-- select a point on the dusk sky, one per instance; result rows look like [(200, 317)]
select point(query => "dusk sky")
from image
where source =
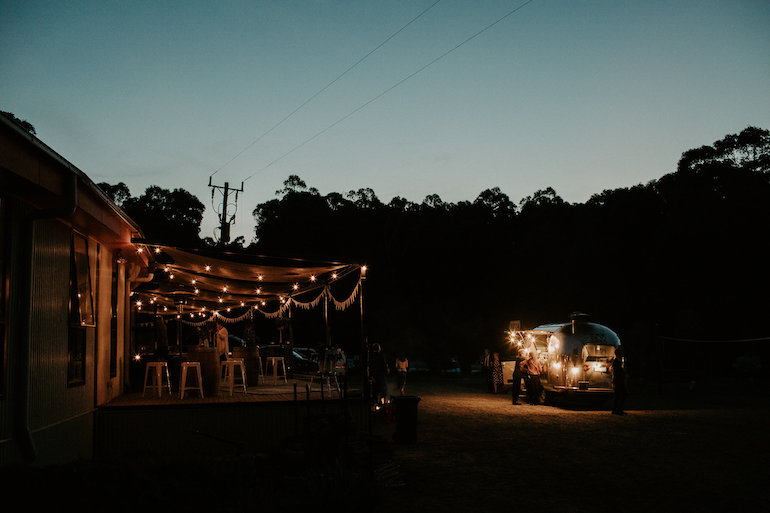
[(581, 96)]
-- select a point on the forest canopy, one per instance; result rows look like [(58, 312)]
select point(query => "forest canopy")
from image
[(684, 254)]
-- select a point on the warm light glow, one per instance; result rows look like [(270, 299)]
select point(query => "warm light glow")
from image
[(196, 291), (208, 267), (228, 308), (165, 309), (193, 282), (139, 250), (241, 303), (224, 289), (259, 291), (137, 357), (574, 370), (334, 276), (138, 303), (259, 277), (157, 250), (557, 365), (364, 269), (263, 303), (171, 276), (295, 286), (220, 299), (312, 277), (192, 315), (256, 307)]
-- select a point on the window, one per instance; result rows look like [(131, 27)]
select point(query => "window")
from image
[(81, 310), (114, 316)]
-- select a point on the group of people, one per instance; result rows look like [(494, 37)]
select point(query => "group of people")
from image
[(528, 369)]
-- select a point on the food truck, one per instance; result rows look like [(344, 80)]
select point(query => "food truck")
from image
[(576, 356)]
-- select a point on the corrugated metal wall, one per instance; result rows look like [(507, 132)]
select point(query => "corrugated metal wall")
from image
[(8, 448), (54, 405)]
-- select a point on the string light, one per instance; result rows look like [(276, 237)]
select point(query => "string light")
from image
[(259, 277), (220, 299), (171, 276), (193, 282), (196, 291), (334, 276), (259, 291), (139, 250), (312, 277), (208, 268), (138, 303), (295, 286), (241, 303), (224, 289), (157, 250), (165, 309)]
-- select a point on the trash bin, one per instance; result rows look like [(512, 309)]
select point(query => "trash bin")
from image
[(405, 411)]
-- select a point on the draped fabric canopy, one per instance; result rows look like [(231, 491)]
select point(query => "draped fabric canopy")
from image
[(193, 281)]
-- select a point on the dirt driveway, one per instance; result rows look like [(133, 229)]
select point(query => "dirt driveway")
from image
[(675, 452)]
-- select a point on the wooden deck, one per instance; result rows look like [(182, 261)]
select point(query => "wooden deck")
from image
[(270, 391), (260, 419)]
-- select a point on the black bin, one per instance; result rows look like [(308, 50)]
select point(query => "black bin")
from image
[(405, 412)]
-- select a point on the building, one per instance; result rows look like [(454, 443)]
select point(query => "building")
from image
[(66, 270)]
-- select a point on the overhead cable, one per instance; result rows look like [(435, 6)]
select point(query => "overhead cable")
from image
[(324, 88), (386, 91)]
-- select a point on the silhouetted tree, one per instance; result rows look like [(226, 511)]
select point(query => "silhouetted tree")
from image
[(118, 193), (23, 123), (166, 216)]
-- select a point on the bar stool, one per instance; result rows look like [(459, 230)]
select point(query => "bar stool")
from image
[(228, 371), (274, 361), (183, 381), (156, 377)]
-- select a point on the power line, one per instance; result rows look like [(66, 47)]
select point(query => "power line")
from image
[(386, 91), (324, 88)]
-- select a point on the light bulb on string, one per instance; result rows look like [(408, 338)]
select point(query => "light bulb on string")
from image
[(260, 277), (208, 268), (312, 277)]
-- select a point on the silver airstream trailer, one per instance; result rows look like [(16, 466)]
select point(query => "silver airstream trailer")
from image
[(576, 356)]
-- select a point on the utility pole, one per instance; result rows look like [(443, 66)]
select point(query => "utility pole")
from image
[(224, 222)]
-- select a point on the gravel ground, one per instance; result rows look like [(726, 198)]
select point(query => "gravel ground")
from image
[(475, 452), (478, 452)]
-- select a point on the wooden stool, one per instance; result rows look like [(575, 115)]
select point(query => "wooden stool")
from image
[(183, 381), (275, 360), (156, 377), (228, 371)]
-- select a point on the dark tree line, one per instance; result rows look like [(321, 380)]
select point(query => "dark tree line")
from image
[(684, 255)]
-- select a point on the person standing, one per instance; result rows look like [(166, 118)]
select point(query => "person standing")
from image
[(517, 376), (533, 369), (402, 366), (618, 383), (380, 370), (486, 369), (223, 342), (497, 374)]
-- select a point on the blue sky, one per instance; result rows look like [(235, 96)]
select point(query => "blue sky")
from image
[(578, 95)]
